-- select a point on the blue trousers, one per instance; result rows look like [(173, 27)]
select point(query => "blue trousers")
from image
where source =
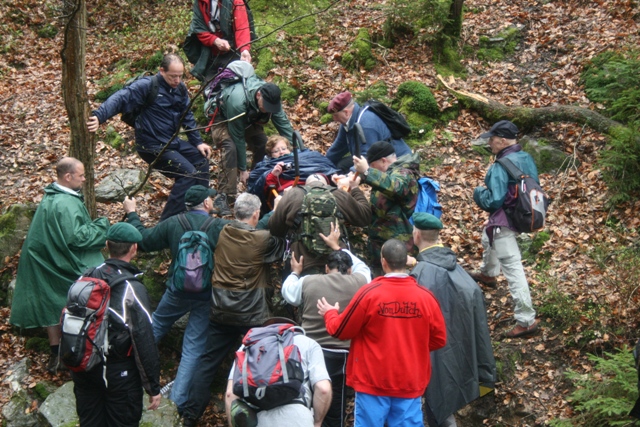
[(183, 163), (221, 339), (170, 309), (373, 411)]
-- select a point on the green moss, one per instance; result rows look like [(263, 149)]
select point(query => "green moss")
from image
[(418, 98), (44, 389), (496, 48), (113, 138), (265, 63), (326, 118), (41, 345), (378, 90), (360, 54), (317, 63), (150, 63), (289, 93), (47, 31)]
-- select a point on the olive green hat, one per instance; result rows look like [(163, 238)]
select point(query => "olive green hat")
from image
[(123, 232)]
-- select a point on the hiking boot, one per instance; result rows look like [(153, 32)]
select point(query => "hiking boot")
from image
[(55, 365), (188, 422), (522, 331), (220, 204), (480, 277), (242, 415)]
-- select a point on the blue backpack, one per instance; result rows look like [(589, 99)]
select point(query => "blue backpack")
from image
[(428, 198), (193, 264)]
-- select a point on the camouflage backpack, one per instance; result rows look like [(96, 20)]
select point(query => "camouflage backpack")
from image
[(319, 210)]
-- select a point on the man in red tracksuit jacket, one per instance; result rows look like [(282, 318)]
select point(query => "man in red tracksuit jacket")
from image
[(393, 324)]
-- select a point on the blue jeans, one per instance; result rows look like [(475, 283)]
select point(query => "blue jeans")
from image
[(373, 411), (171, 308), (221, 339)]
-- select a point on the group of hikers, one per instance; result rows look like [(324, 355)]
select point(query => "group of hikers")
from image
[(401, 323)]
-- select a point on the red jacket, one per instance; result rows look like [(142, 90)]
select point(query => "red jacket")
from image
[(393, 324), (240, 25)]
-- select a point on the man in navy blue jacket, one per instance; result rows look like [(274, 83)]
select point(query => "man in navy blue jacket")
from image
[(185, 161), (347, 112)]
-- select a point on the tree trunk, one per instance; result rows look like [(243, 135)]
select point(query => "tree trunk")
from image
[(527, 118), (453, 27), (74, 82)]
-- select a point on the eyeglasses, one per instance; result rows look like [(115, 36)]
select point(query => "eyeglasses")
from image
[(279, 150), (175, 76)]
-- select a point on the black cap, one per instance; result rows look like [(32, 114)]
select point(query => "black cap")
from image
[(196, 195), (379, 150), (271, 98), (503, 129)]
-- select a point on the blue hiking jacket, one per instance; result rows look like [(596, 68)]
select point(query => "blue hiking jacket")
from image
[(374, 130), (159, 121)]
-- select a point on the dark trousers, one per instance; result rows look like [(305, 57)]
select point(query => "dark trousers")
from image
[(119, 405), (336, 362), (183, 163), (221, 339)]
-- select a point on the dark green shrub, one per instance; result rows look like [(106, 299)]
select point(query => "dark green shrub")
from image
[(151, 63), (605, 395), (620, 164), (424, 19), (612, 79)]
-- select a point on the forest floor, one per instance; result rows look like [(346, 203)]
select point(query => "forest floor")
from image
[(557, 38)]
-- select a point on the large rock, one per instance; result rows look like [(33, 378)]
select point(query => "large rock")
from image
[(17, 412), (14, 224), (59, 409), (118, 184)]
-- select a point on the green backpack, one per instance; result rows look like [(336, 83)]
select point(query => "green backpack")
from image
[(319, 210)]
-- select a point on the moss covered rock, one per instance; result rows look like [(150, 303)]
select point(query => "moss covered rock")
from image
[(14, 224), (360, 54)]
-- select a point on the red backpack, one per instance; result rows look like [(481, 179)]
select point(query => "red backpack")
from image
[(268, 370)]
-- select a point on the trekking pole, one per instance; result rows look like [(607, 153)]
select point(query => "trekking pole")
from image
[(297, 142), (214, 124), (359, 141)]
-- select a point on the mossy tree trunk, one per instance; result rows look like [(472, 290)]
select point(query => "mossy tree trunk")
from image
[(527, 118), (74, 79), (453, 27)]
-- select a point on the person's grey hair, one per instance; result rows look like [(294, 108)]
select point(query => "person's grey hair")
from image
[(168, 59), (246, 204), (392, 157), (199, 207), (67, 165)]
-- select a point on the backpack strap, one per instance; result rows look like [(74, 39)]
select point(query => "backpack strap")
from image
[(207, 223), (153, 93), (511, 168), (184, 222), (362, 110)]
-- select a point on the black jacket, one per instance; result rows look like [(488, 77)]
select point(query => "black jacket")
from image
[(130, 305)]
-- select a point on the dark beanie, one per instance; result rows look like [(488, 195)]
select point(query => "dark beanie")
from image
[(379, 150)]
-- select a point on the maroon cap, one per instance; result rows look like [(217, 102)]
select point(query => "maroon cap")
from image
[(339, 102)]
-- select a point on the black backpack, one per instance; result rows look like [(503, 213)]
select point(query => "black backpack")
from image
[(395, 121), (532, 202)]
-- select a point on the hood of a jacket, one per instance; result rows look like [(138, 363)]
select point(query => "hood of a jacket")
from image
[(440, 256)]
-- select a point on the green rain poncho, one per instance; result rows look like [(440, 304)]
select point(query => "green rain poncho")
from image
[(61, 244)]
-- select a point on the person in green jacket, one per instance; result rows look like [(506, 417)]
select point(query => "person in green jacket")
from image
[(242, 113), (394, 194), (62, 242)]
